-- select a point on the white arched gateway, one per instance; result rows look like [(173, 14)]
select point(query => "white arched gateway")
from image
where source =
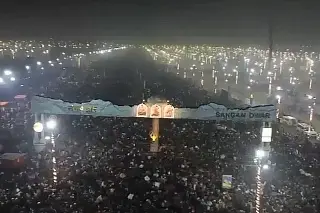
[(157, 109), (154, 108)]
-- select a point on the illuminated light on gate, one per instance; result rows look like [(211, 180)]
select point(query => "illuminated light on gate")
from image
[(38, 127), (153, 137)]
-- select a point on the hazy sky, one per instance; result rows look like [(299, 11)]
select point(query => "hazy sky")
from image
[(296, 21)]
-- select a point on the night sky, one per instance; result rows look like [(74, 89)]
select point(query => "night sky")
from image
[(295, 22)]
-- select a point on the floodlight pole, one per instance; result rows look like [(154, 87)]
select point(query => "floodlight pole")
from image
[(259, 187), (39, 141), (54, 160), (265, 147), (51, 126)]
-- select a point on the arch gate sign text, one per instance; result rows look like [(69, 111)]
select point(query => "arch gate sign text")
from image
[(154, 109)]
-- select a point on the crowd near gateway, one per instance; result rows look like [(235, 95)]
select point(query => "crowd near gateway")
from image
[(105, 163), (156, 108)]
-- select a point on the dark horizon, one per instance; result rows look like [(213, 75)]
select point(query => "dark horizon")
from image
[(245, 22)]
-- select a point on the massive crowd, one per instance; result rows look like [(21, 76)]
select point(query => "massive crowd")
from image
[(104, 164)]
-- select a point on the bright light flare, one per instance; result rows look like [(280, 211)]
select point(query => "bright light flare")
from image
[(260, 153), (7, 72), (51, 124), (265, 167), (38, 127), (310, 97)]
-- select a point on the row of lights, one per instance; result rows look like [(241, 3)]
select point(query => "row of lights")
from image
[(260, 155)]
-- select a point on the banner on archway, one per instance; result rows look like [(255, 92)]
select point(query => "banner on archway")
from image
[(210, 111)]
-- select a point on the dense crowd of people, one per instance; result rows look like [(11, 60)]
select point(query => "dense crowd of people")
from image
[(105, 165)]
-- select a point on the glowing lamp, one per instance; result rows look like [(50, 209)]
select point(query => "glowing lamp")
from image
[(38, 127)]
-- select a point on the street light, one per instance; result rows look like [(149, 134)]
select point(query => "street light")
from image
[(39, 63), (38, 127), (310, 97), (310, 118), (12, 78), (260, 154), (310, 82), (279, 102), (278, 98), (265, 167), (7, 72), (237, 75), (1, 80), (51, 124)]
